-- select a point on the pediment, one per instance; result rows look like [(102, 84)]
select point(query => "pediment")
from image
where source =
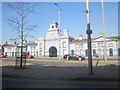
[(101, 39)]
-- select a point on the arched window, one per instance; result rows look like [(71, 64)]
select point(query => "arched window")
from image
[(119, 52), (94, 52), (31, 48), (81, 52), (34, 53), (12, 54), (64, 44), (98, 44), (40, 45), (86, 52), (99, 52), (76, 45), (40, 52), (102, 44), (5, 53), (37, 53), (76, 51), (64, 51), (111, 52), (52, 26), (94, 45), (15, 54), (110, 45), (34, 48), (81, 45)]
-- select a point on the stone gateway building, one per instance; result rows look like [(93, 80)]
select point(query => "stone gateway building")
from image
[(53, 43)]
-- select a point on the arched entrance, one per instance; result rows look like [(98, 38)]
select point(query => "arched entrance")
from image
[(119, 52), (94, 52), (72, 51), (52, 52), (111, 52), (86, 52)]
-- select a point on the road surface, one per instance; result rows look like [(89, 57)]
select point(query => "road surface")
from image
[(11, 83)]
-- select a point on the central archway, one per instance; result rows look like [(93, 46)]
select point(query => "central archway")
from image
[(52, 52)]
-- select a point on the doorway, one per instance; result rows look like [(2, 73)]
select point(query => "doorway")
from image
[(52, 52)]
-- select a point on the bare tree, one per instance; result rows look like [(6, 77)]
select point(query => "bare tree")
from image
[(19, 22)]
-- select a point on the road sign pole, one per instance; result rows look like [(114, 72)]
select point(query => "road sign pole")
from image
[(89, 32)]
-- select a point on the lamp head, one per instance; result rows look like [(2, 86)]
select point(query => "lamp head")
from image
[(55, 3)]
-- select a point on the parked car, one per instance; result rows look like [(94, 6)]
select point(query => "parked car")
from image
[(3, 56), (73, 57), (27, 56)]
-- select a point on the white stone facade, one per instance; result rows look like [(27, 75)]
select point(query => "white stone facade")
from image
[(80, 46), (53, 43), (53, 40)]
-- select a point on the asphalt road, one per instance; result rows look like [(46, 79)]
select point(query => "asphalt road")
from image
[(10, 83)]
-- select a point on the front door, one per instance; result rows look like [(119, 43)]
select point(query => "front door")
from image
[(52, 52), (94, 52)]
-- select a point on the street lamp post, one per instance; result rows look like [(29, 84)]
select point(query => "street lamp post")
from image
[(59, 14), (89, 32), (104, 28)]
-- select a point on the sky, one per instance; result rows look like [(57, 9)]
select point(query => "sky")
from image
[(73, 18)]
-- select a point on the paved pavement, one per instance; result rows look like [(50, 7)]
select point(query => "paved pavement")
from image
[(54, 73), (38, 69)]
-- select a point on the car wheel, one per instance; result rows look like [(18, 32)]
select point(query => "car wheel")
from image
[(84, 58), (67, 58), (80, 59), (28, 57)]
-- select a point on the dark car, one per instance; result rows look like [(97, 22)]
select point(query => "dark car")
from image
[(73, 57)]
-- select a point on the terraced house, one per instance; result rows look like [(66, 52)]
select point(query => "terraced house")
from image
[(53, 44)]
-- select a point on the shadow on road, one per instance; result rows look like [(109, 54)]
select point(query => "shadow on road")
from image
[(51, 72)]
